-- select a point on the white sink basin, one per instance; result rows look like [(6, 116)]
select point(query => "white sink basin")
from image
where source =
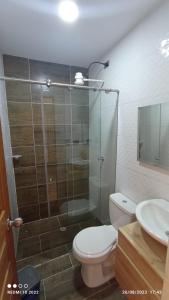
[(153, 216)]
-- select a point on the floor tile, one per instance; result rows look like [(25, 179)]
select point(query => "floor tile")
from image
[(90, 223), (28, 247), (58, 237), (38, 227), (68, 285), (54, 266), (73, 260), (43, 257), (109, 293), (42, 292), (69, 219)]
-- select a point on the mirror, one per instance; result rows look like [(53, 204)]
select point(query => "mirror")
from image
[(153, 134)]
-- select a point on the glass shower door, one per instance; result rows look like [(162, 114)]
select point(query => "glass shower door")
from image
[(108, 146), (103, 112), (78, 203), (95, 160)]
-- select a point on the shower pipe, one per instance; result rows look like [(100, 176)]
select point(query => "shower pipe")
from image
[(49, 83)]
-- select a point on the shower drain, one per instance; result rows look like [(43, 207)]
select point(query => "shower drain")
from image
[(63, 228)]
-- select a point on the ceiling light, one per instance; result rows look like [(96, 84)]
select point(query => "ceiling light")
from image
[(68, 11)]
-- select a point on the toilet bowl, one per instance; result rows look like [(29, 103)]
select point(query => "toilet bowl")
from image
[(95, 247), (92, 247)]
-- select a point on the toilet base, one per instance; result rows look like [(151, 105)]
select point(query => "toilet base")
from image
[(95, 275)]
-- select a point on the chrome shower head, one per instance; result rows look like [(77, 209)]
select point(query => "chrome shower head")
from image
[(79, 79)]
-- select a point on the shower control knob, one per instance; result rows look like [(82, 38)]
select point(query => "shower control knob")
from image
[(15, 223)]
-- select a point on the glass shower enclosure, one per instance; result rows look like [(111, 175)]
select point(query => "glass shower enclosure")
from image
[(64, 148)]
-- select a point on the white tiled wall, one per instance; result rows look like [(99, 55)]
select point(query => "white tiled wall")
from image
[(141, 73)]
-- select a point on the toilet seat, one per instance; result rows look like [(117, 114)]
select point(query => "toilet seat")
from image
[(95, 242)]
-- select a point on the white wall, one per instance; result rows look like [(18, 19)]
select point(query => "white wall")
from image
[(8, 152), (141, 73)]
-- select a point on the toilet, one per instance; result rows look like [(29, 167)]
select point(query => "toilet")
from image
[(95, 247)]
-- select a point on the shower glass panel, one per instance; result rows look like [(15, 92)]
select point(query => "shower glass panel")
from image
[(65, 135), (95, 151), (103, 113), (57, 136), (109, 118), (66, 139)]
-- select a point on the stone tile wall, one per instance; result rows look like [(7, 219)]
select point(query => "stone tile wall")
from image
[(49, 129)]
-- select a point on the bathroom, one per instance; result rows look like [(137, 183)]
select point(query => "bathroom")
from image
[(84, 158)]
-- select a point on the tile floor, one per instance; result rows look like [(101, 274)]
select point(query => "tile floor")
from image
[(47, 245)]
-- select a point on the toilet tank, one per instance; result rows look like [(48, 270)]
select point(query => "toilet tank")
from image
[(121, 210)]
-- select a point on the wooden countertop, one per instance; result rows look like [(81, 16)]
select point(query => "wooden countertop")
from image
[(150, 251)]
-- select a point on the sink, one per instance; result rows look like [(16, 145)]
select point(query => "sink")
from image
[(153, 216)]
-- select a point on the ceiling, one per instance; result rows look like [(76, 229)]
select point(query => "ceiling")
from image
[(31, 28)]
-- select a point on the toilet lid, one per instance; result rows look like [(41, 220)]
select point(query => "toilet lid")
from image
[(95, 240)]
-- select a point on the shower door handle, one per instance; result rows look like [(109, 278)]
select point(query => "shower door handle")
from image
[(18, 222)]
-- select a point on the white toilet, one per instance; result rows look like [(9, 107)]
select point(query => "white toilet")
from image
[(95, 247)]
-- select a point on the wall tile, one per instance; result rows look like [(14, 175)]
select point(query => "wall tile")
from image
[(54, 95), (43, 70), (80, 152), (25, 176), (42, 191), (27, 196), (52, 191), (70, 192), (18, 91), (57, 114), (37, 114), (36, 93), (21, 136), (16, 66), (29, 213), (43, 208), (80, 97), (58, 154), (19, 113), (56, 173), (80, 114), (80, 133), (39, 152), (27, 159), (58, 134), (81, 186), (80, 171), (58, 207), (62, 190), (38, 134), (26, 104), (41, 176)]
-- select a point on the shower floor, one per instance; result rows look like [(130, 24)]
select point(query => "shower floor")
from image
[(47, 245)]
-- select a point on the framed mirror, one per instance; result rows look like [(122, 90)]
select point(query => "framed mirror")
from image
[(153, 135)]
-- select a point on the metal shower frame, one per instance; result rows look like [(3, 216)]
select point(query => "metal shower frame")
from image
[(49, 83)]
